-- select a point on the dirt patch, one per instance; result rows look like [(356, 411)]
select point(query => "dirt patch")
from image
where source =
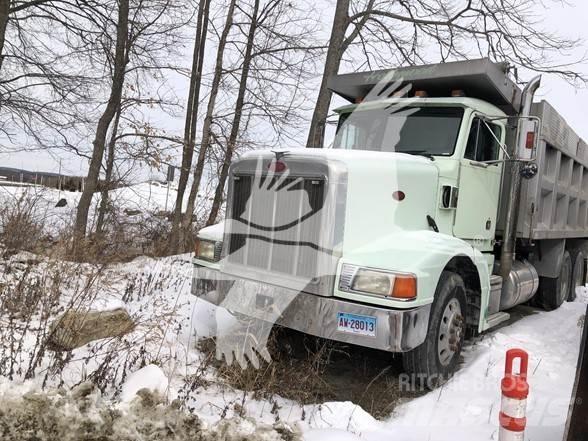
[(311, 370), (83, 415)]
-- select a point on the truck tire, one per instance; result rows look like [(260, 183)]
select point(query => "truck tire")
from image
[(554, 291), (578, 274), (434, 362)]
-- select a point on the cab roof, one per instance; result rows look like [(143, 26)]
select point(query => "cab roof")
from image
[(472, 103), (482, 78)]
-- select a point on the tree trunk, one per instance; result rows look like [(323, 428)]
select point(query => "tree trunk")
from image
[(206, 129), (316, 133), (120, 62), (191, 120), (107, 174), (218, 195), (4, 13)]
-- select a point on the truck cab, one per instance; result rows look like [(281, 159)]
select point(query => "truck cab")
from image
[(392, 237)]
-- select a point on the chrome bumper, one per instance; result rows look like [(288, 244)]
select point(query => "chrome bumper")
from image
[(398, 330)]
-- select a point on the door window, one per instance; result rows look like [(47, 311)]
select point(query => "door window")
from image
[(483, 142)]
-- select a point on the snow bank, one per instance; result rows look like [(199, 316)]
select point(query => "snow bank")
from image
[(150, 377), (467, 407), (84, 414)]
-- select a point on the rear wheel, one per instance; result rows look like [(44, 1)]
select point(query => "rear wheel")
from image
[(554, 291), (433, 362), (578, 274)]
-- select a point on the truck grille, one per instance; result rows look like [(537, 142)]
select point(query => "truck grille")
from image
[(278, 233)]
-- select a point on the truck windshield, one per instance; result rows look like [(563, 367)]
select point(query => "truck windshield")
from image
[(415, 130)]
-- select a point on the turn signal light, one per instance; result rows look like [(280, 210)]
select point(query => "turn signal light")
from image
[(405, 287), (530, 140)]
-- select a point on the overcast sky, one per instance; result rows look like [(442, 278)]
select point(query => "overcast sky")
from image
[(571, 102)]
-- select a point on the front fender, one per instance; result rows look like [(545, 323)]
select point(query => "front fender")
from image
[(423, 253)]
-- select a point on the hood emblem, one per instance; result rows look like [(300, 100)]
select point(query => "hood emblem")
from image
[(279, 155)]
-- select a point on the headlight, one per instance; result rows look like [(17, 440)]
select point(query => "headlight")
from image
[(400, 286), (207, 250)]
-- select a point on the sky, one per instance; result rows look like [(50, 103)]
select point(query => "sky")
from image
[(568, 20)]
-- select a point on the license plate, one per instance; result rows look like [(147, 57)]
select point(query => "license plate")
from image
[(356, 324)]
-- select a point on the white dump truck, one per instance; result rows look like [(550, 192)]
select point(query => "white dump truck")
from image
[(447, 198)]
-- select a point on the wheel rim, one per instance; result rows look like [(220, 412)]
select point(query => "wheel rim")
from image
[(450, 332), (565, 277)]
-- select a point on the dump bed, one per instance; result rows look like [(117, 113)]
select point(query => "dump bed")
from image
[(554, 204)]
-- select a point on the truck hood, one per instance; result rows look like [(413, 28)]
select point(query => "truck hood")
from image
[(376, 181)]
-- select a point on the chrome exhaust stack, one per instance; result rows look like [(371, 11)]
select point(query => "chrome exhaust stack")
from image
[(508, 252)]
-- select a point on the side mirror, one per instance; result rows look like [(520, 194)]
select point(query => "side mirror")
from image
[(528, 137)]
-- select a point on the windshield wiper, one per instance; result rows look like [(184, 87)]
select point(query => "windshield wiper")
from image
[(424, 153)]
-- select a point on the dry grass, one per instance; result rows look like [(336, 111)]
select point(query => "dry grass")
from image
[(310, 370), (21, 225)]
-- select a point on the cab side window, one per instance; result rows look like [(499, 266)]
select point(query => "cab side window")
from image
[(482, 142)]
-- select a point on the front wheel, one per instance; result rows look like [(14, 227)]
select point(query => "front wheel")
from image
[(433, 362)]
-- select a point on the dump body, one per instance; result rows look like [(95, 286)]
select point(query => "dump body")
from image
[(554, 203)]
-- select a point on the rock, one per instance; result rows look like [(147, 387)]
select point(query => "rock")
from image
[(77, 328), (61, 203)]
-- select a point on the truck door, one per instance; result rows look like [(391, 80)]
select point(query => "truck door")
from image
[(479, 183)]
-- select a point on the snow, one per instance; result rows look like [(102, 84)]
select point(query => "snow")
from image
[(213, 232), (163, 355), (134, 201), (150, 377), (467, 407)]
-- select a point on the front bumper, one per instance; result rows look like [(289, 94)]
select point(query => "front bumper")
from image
[(397, 330)]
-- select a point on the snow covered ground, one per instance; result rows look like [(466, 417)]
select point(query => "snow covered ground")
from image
[(161, 354), (147, 198)]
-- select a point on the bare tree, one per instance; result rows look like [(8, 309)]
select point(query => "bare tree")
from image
[(121, 59), (192, 108), (208, 120), (43, 75), (103, 208), (277, 57), (146, 30), (394, 33), (236, 124)]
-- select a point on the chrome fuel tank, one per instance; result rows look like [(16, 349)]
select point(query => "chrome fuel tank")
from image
[(521, 286)]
